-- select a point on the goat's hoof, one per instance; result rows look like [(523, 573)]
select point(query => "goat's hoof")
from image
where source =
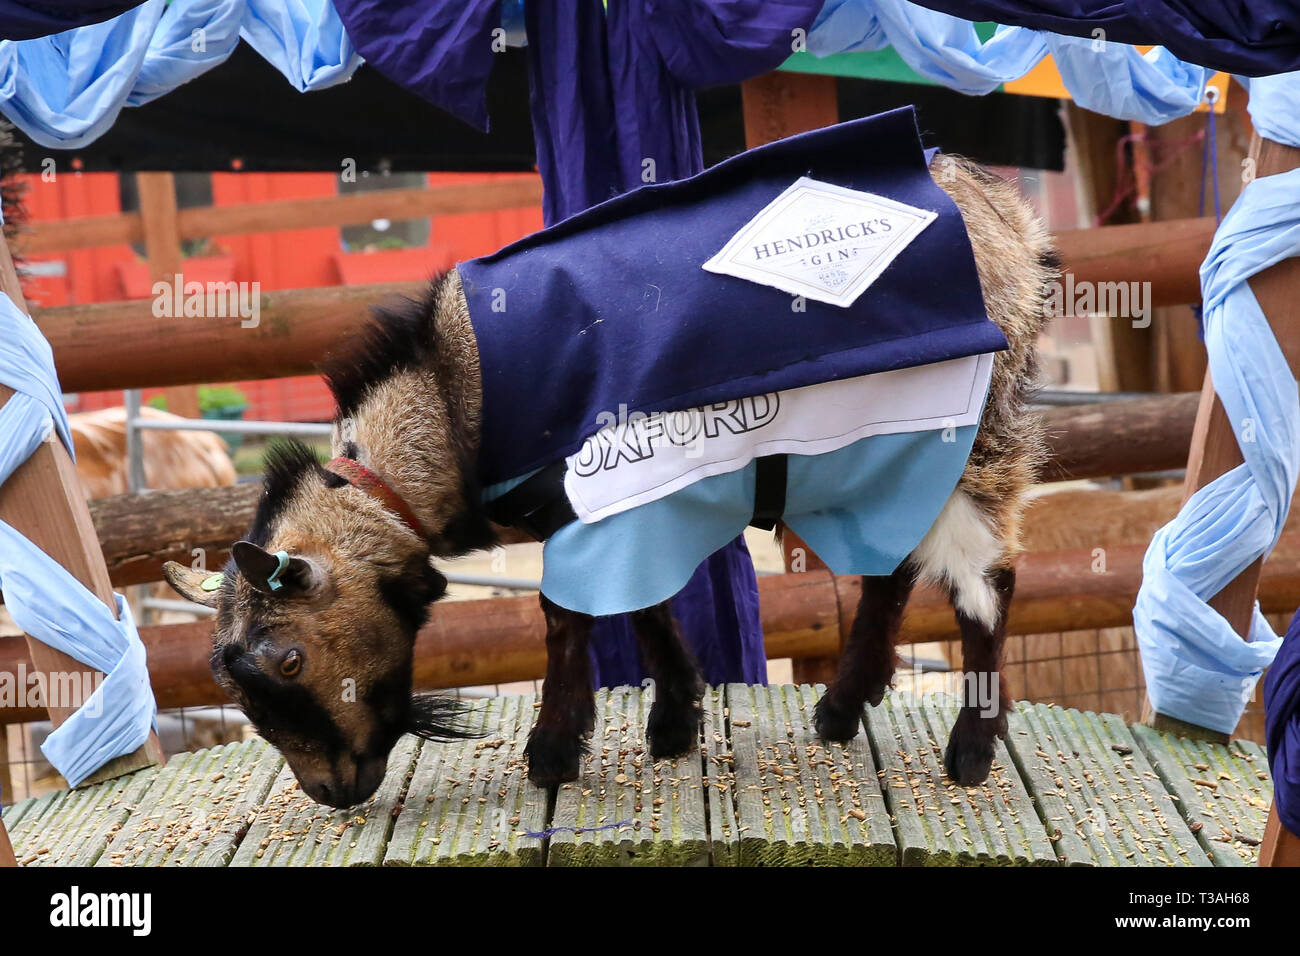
[(877, 694), (553, 757), (673, 731), (835, 725), (969, 755)]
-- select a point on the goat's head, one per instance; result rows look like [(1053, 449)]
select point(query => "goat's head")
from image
[(317, 613)]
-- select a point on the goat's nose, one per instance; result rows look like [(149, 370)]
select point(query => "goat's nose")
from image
[(323, 792)]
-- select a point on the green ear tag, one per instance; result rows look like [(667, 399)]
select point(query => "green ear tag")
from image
[(212, 582)]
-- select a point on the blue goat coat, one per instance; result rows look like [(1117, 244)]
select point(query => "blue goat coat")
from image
[(612, 309)]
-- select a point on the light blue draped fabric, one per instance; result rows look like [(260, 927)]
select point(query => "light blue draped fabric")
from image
[(64, 91), (1197, 668), (45, 600), (1109, 78)]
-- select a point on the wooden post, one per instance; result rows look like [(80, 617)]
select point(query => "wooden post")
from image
[(42, 500), (6, 849), (1215, 452), (162, 246), (777, 105)]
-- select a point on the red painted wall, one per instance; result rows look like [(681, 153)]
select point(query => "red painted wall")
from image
[(300, 258)]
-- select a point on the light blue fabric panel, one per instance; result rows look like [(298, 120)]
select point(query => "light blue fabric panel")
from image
[(1197, 668), (1274, 106), (862, 509), (192, 37), (45, 600), (303, 39), (66, 90), (1110, 78)]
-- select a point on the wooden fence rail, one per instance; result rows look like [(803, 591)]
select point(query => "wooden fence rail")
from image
[(804, 615), (139, 532), (200, 221)]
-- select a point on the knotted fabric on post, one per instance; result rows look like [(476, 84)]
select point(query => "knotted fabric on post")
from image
[(1197, 668), (45, 600)]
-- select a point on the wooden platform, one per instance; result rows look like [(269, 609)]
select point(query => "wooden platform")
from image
[(1067, 788)]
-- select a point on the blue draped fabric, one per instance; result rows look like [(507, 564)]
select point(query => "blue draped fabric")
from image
[(65, 91), (45, 600), (1197, 668), (28, 19), (1111, 78), (1251, 37)]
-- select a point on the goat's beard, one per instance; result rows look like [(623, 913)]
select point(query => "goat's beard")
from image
[(436, 717)]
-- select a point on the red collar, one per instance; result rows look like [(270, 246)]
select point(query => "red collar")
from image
[(363, 479)]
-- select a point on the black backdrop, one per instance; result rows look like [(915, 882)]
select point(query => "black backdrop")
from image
[(243, 111)]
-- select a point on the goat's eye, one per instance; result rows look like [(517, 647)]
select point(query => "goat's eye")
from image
[(291, 664)]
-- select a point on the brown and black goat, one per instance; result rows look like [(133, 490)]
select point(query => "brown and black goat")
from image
[(319, 608)]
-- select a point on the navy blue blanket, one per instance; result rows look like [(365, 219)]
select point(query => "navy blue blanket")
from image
[(611, 308)]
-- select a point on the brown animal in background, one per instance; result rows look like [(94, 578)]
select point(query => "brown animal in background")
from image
[(318, 611), (172, 459)]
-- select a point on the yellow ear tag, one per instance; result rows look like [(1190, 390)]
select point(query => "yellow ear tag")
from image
[(212, 582)]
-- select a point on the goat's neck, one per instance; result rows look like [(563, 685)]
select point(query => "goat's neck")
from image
[(419, 429)]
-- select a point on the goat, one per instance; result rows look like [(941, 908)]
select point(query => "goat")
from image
[(318, 611)]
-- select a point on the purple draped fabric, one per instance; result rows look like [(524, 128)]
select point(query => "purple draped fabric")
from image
[(28, 19), (613, 106), (1254, 38), (1282, 726)]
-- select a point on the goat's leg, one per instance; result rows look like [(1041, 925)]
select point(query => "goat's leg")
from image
[(674, 725), (867, 661), (568, 711), (985, 697)]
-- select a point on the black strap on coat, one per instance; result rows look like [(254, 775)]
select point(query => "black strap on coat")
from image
[(539, 505)]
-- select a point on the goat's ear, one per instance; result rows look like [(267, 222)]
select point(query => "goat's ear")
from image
[(287, 577), (201, 587)]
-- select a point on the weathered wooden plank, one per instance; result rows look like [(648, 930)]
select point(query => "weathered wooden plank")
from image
[(291, 829), (72, 828), (1222, 792), (719, 780), (938, 823), (13, 814), (799, 801), (470, 802), (198, 809), (1093, 786), (625, 808)]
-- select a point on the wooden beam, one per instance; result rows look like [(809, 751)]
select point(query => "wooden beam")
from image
[(199, 222), (162, 245), (1214, 450), (1163, 256), (137, 533), (110, 345), (1110, 439), (1281, 847), (777, 105), (42, 500), (804, 615)]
